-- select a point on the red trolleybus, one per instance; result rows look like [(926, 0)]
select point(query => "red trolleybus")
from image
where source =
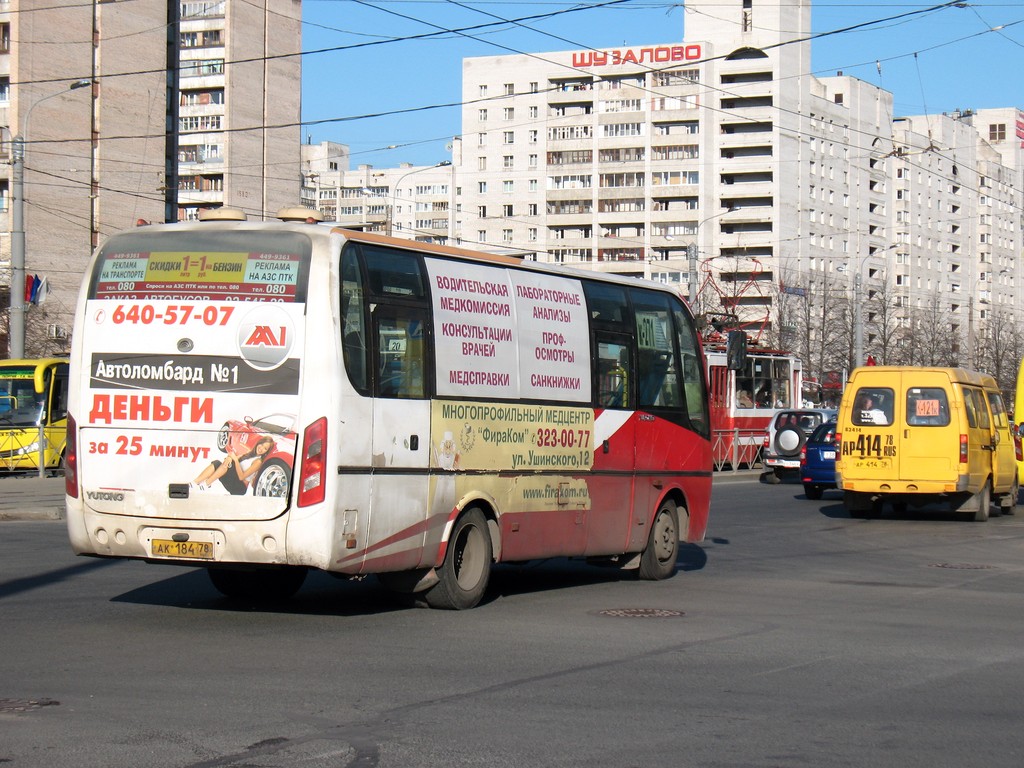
[(745, 396), (265, 398)]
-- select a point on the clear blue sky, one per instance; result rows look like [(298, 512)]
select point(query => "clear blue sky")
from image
[(390, 58)]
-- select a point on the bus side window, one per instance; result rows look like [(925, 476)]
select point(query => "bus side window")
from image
[(401, 364), (614, 373), (658, 380), (353, 323)]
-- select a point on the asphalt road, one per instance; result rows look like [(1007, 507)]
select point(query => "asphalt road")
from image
[(793, 636)]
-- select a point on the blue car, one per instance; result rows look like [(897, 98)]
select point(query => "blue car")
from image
[(818, 461)]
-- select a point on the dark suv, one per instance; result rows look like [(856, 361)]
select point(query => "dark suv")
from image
[(786, 435)]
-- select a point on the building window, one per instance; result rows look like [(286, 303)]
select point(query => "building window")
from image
[(533, 136), (481, 235), (506, 235), (5, 37), (5, 195), (5, 89), (533, 161), (534, 87), (509, 113), (481, 211), (202, 98), (482, 115), (481, 139), (532, 234), (510, 89), (508, 187), (533, 185), (531, 209), (481, 187), (206, 38), (483, 90), (508, 162), (509, 137), (997, 132), (534, 113), (202, 9), (202, 67), (506, 211), (481, 163)]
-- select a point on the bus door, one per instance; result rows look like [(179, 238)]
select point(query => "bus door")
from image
[(611, 487), (400, 448), (659, 401)]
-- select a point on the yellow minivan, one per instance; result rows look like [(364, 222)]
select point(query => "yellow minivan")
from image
[(916, 436)]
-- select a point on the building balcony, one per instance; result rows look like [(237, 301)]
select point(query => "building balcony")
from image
[(197, 197)]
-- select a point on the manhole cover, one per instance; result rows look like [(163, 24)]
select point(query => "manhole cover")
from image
[(640, 613), (24, 705), (963, 566)]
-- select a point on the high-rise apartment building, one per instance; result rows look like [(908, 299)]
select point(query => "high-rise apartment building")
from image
[(719, 162), (149, 111)]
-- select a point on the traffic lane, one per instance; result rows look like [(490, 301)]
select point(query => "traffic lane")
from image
[(804, 638)]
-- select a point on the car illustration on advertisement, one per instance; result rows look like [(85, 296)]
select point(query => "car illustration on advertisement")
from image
[(241, 438)]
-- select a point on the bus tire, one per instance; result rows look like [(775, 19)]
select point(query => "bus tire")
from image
[(658, 560), (273, 480), (463, 576), (269, 585)]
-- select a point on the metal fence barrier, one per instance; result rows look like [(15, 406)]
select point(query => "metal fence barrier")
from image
[(736, 449)]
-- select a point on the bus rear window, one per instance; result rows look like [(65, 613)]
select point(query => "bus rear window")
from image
[(215, 266)]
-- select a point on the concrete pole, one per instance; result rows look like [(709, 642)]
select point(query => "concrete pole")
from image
[(17, 311)]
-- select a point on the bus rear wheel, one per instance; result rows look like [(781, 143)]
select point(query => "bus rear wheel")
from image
[(268, 585), (463, 576), (658, 560)]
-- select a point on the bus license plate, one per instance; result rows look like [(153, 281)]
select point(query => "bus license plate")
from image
[(191, 550)]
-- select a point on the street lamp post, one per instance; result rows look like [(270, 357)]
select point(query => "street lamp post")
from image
[(394, 193), (17, 310)]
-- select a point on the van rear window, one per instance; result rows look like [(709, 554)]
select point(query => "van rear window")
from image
[(216, 266), (927, 407), (873, 406)]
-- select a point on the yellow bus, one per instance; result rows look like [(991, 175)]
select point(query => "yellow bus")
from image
[(33, 414)]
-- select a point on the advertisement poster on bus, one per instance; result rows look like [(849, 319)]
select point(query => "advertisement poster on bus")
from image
[(189, 395)]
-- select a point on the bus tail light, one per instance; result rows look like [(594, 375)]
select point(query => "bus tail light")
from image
[(71, 459), (963, 449), (311, 471)]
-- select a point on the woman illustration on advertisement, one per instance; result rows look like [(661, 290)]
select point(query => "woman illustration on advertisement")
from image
[(245, 468)]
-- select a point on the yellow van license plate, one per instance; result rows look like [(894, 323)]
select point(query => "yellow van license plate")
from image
[(872, 463), (194, 550)]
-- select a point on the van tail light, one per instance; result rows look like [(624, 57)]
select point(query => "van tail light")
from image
[(312, 485), (837, 439), (1018, 448), (963, 449), (71, 459)]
